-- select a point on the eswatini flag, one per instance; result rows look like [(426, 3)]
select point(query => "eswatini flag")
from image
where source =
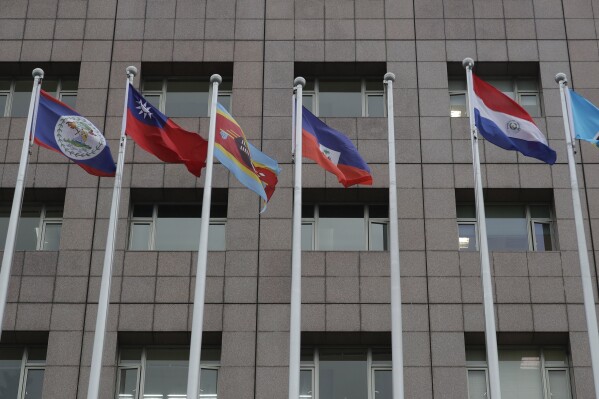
[(503, 122), (157, 134), (333, 151)]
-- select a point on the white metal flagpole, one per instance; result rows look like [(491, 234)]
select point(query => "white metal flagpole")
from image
[(195, 350), (295, 322), (583, 255), (104, 300), (396, 325), (15, 212), (485, 267)]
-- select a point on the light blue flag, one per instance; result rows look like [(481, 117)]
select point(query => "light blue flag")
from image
[(585, 118)]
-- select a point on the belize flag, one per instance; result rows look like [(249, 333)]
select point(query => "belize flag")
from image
[(157, 134), (503, 122), (60, 128), (333, 151), (252, 168), (585, 117)]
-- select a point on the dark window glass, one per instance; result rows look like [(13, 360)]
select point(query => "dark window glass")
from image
[(343, 374), (340, 98)]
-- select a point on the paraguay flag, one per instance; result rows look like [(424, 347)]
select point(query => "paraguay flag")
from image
[(251, 167), (333, 151), (157, 134), (60, 128), (503, 122)]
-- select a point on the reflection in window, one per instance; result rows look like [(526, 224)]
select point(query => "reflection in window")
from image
[(525, 91), (15, 95), (524, 373), (161, 373), (510, 227), (345, 97), (180, 97), (344, 373), (175, 227), (345, 227), (22, 372), (39, 227)]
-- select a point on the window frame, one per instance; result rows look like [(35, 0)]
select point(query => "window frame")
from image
[(141, 220), (7, 112), (545, 366), (26, 365), (162, 94), (530, 223), (371, 367), (364, 93), (513, 80), (141, 365), (41, 227), (367, 224)]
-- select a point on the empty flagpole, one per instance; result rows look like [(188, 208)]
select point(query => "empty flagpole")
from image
[(195, 350), (15, 212), (295, 321), (485, 267), (396, 325), (104, 300), (583, 255)]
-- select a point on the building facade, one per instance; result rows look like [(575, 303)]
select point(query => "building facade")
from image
[(342, 48)]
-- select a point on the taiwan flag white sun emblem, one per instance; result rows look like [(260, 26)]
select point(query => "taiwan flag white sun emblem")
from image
[(78, 138)]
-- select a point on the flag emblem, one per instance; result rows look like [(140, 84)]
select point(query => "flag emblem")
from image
[(144, 109), (78, 138), (513, 126), (332, 155)]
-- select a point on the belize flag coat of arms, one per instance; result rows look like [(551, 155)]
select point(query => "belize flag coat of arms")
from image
[(61, 129)]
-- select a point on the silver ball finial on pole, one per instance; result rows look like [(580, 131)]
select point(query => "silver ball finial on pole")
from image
[(216, 78), (561, 77), (389, 76), (299, 81), (468, 63), (131, 70), (38, 73)]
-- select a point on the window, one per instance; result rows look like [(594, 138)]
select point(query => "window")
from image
[(182, 97), (337, 227), (346, 373), (161, 373), (345, 98), (510, 227), (525, 372), (39, 227), (175, 227), (524, 90), (22, 372), (15, 95)]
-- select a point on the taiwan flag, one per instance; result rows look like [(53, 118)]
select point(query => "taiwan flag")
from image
[(157, 134), (333, 151), (60, 128)]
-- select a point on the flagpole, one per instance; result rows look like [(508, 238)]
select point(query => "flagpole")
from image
[(104, 300), (15, 212), (485, 267), (583, 255), (295, 322), (195, 350), (396, 325)]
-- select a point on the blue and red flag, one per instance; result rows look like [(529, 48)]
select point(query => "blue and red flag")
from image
[(60, 128), (252, 168), (333, 151), (157, 134)]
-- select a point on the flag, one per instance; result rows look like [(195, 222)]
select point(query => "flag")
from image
[(157, 134), (585, 117), (60, 128), (503, 122), (333, 151), (250, 166)]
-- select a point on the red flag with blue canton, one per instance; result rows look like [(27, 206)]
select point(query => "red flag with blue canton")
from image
[(157, 134), (60, 128), (333, 151)]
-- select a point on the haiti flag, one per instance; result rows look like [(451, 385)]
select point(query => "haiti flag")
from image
[(157, 134), (333, 151), (60, 128)]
